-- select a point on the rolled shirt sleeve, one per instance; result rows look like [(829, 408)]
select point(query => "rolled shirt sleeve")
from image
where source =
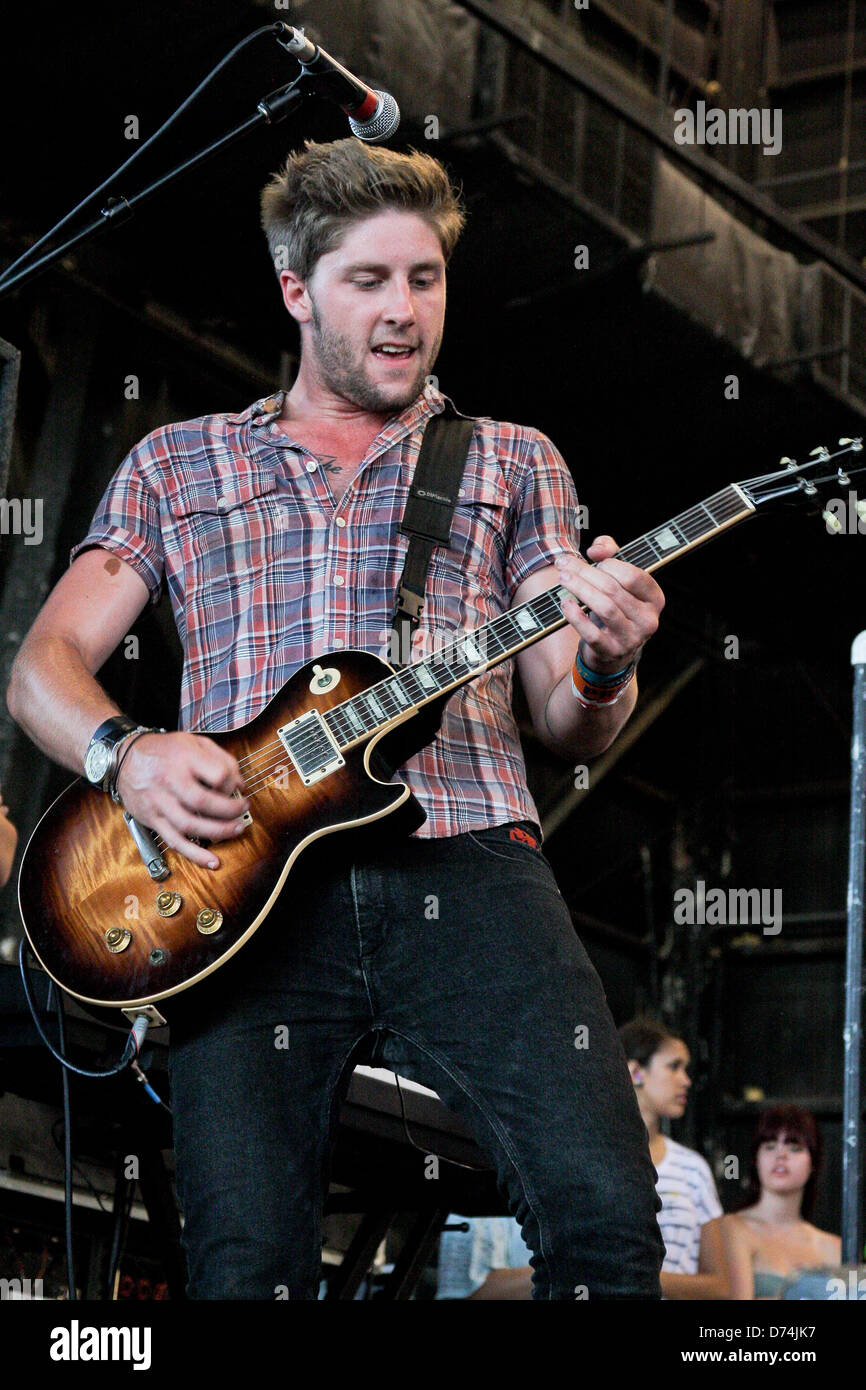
[(547, 517), (126, 523)]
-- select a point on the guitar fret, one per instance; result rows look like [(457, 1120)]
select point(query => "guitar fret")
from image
[(398, 692), (494, 636), (473, 655), (355, 718), (414, 685), (515, 633), (361, 706), (336, 722), (526, 620), (425, 677)]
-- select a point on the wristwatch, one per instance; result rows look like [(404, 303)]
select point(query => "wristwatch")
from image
[(99, 760)]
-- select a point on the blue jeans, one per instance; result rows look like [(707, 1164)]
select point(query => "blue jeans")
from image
[(454, 962)]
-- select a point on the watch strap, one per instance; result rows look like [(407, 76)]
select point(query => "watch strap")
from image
[(110, 733), (110, 730)]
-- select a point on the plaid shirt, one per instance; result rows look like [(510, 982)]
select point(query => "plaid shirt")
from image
[(265, 573)]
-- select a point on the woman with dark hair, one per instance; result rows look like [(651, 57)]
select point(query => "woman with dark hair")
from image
[(771, 1238), (690, 1217)]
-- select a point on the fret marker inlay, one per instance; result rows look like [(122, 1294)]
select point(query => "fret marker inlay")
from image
[(665, 540)]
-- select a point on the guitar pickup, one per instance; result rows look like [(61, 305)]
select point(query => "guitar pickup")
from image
[(310, 746)]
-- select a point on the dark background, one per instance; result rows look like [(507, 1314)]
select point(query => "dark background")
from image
[(742, 780)]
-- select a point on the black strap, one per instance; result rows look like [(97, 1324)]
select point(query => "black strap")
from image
[(427, 518)]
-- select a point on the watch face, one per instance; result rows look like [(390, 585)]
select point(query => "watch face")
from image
[(97, 762)]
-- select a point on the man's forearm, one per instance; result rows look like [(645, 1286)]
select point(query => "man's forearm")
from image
[(56, 700), (573, 731)]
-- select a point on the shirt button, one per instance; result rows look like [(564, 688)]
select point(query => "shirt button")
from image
[(338, 641), (341, 521), (311, 465), (223, 502), (338, 580), (461, 492)]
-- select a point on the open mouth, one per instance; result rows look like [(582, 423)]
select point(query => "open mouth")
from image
[(393, 352)]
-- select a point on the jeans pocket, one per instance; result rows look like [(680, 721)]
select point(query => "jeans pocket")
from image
[(515, 841)]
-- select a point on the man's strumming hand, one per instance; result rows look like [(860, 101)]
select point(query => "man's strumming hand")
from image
[(181, 785)]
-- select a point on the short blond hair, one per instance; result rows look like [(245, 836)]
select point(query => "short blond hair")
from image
[(308, 207)]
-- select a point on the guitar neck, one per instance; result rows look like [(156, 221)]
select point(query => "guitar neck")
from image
[(478, 651)]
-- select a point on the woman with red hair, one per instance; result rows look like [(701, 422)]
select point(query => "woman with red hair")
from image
[(771, 1238)]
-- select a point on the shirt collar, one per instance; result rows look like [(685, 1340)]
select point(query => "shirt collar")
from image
[(431, 401)]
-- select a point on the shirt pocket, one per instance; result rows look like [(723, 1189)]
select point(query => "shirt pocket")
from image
[(227, 533)]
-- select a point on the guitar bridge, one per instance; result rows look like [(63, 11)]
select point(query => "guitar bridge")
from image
[(311, 747)]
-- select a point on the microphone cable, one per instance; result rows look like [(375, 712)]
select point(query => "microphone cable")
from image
[(129, 1057), (25, 256)]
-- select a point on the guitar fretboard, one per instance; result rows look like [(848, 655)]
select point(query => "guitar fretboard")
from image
[(473, 653)]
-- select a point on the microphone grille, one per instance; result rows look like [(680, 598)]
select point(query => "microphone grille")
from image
[(382, 124)]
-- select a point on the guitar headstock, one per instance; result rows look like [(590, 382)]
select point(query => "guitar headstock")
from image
[(825, 478)]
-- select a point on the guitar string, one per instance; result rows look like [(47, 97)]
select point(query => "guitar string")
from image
[(684, 522), (307, 742), (643, 548), (252, 760), (695, 516)]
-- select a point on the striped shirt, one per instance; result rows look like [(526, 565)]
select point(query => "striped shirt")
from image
[(466, 1258), (689, 1200), (265, 572)]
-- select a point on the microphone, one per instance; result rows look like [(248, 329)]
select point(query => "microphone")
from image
[(373, 115)]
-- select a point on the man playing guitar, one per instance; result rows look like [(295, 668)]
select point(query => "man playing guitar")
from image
[(448, 955)]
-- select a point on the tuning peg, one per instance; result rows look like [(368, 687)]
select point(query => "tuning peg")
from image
[(833, 522), (821, 452), (843, 478), (785, 462), (809, 488), (846, 441)]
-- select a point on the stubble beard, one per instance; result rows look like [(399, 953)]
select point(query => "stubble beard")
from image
[(335, 359)]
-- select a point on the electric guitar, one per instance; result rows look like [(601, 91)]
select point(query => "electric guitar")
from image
[(116, 918)]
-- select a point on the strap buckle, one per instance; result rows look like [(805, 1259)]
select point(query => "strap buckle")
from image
[(410, 603)]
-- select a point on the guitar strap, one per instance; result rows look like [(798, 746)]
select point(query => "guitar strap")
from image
[(427, 518)]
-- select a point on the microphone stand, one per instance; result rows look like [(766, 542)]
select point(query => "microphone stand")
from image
[(852, 1177), (270, 110)]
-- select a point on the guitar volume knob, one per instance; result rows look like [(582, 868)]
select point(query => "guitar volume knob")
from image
[(168, 903), (117, 939), (209, 920)]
